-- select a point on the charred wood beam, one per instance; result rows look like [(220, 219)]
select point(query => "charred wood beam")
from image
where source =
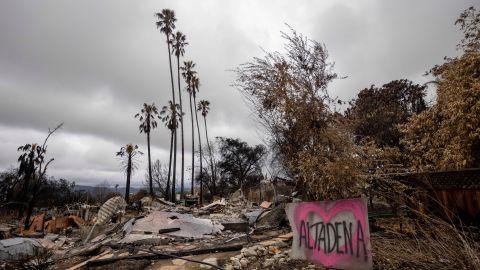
[(167, 255)]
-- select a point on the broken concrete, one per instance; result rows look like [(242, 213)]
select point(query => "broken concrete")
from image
[(235, 225), (155, 203), (252, 216), (237, 196), (15, 248), (272, 218), (216, 206)]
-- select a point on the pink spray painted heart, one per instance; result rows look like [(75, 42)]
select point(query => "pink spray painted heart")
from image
[(356, 211)]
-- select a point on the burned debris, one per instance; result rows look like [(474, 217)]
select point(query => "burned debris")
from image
[(150, 233), (247, 230)]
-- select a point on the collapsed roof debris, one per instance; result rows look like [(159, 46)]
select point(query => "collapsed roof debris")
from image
[(189, 226), (155, 230), (110, 208)]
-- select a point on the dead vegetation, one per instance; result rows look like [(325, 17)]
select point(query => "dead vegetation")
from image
[(429, 243), (416, 238)]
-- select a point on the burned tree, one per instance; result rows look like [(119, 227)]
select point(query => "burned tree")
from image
[(159, 177), (211, 176), (239, 162), (9, 181), (377, 111), (32, 170), (129, 164), (288, 93)]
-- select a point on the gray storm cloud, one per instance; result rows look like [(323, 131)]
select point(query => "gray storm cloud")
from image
[(92, 64)]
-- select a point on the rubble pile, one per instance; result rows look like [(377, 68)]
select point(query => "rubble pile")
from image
[(268, 254), (153, 234)]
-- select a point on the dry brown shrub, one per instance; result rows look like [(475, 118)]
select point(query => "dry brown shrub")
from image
[(432, 243), (419, 239)]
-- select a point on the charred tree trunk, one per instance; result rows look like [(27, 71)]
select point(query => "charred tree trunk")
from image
[(175, 120), (129, 174), (30, 206), (182, 174), (193, 146), (167, 188), (23, 198), (200, 149), (150, 182), (174, 171)]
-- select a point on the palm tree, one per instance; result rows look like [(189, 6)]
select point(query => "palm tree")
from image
[(170, 117), (188, 74), (179, 43), (147, 119), (166, 24), (204, 107), (128, 163), (195, 86)]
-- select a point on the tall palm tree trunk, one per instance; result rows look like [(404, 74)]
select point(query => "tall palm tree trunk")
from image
[(174, 171), (193, 145), (149, 165), (167, 188), (211, 158), (200, 147), (182, 175), (174, 116), (129, 173)]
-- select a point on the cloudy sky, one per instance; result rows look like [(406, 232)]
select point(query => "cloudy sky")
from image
[(92, 64)]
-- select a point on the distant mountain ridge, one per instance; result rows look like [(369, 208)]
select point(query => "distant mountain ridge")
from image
[(121, 190), (91, 189)]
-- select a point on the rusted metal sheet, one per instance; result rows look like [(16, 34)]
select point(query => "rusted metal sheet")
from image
[(109, 208), (59, 224), (37, 223)]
